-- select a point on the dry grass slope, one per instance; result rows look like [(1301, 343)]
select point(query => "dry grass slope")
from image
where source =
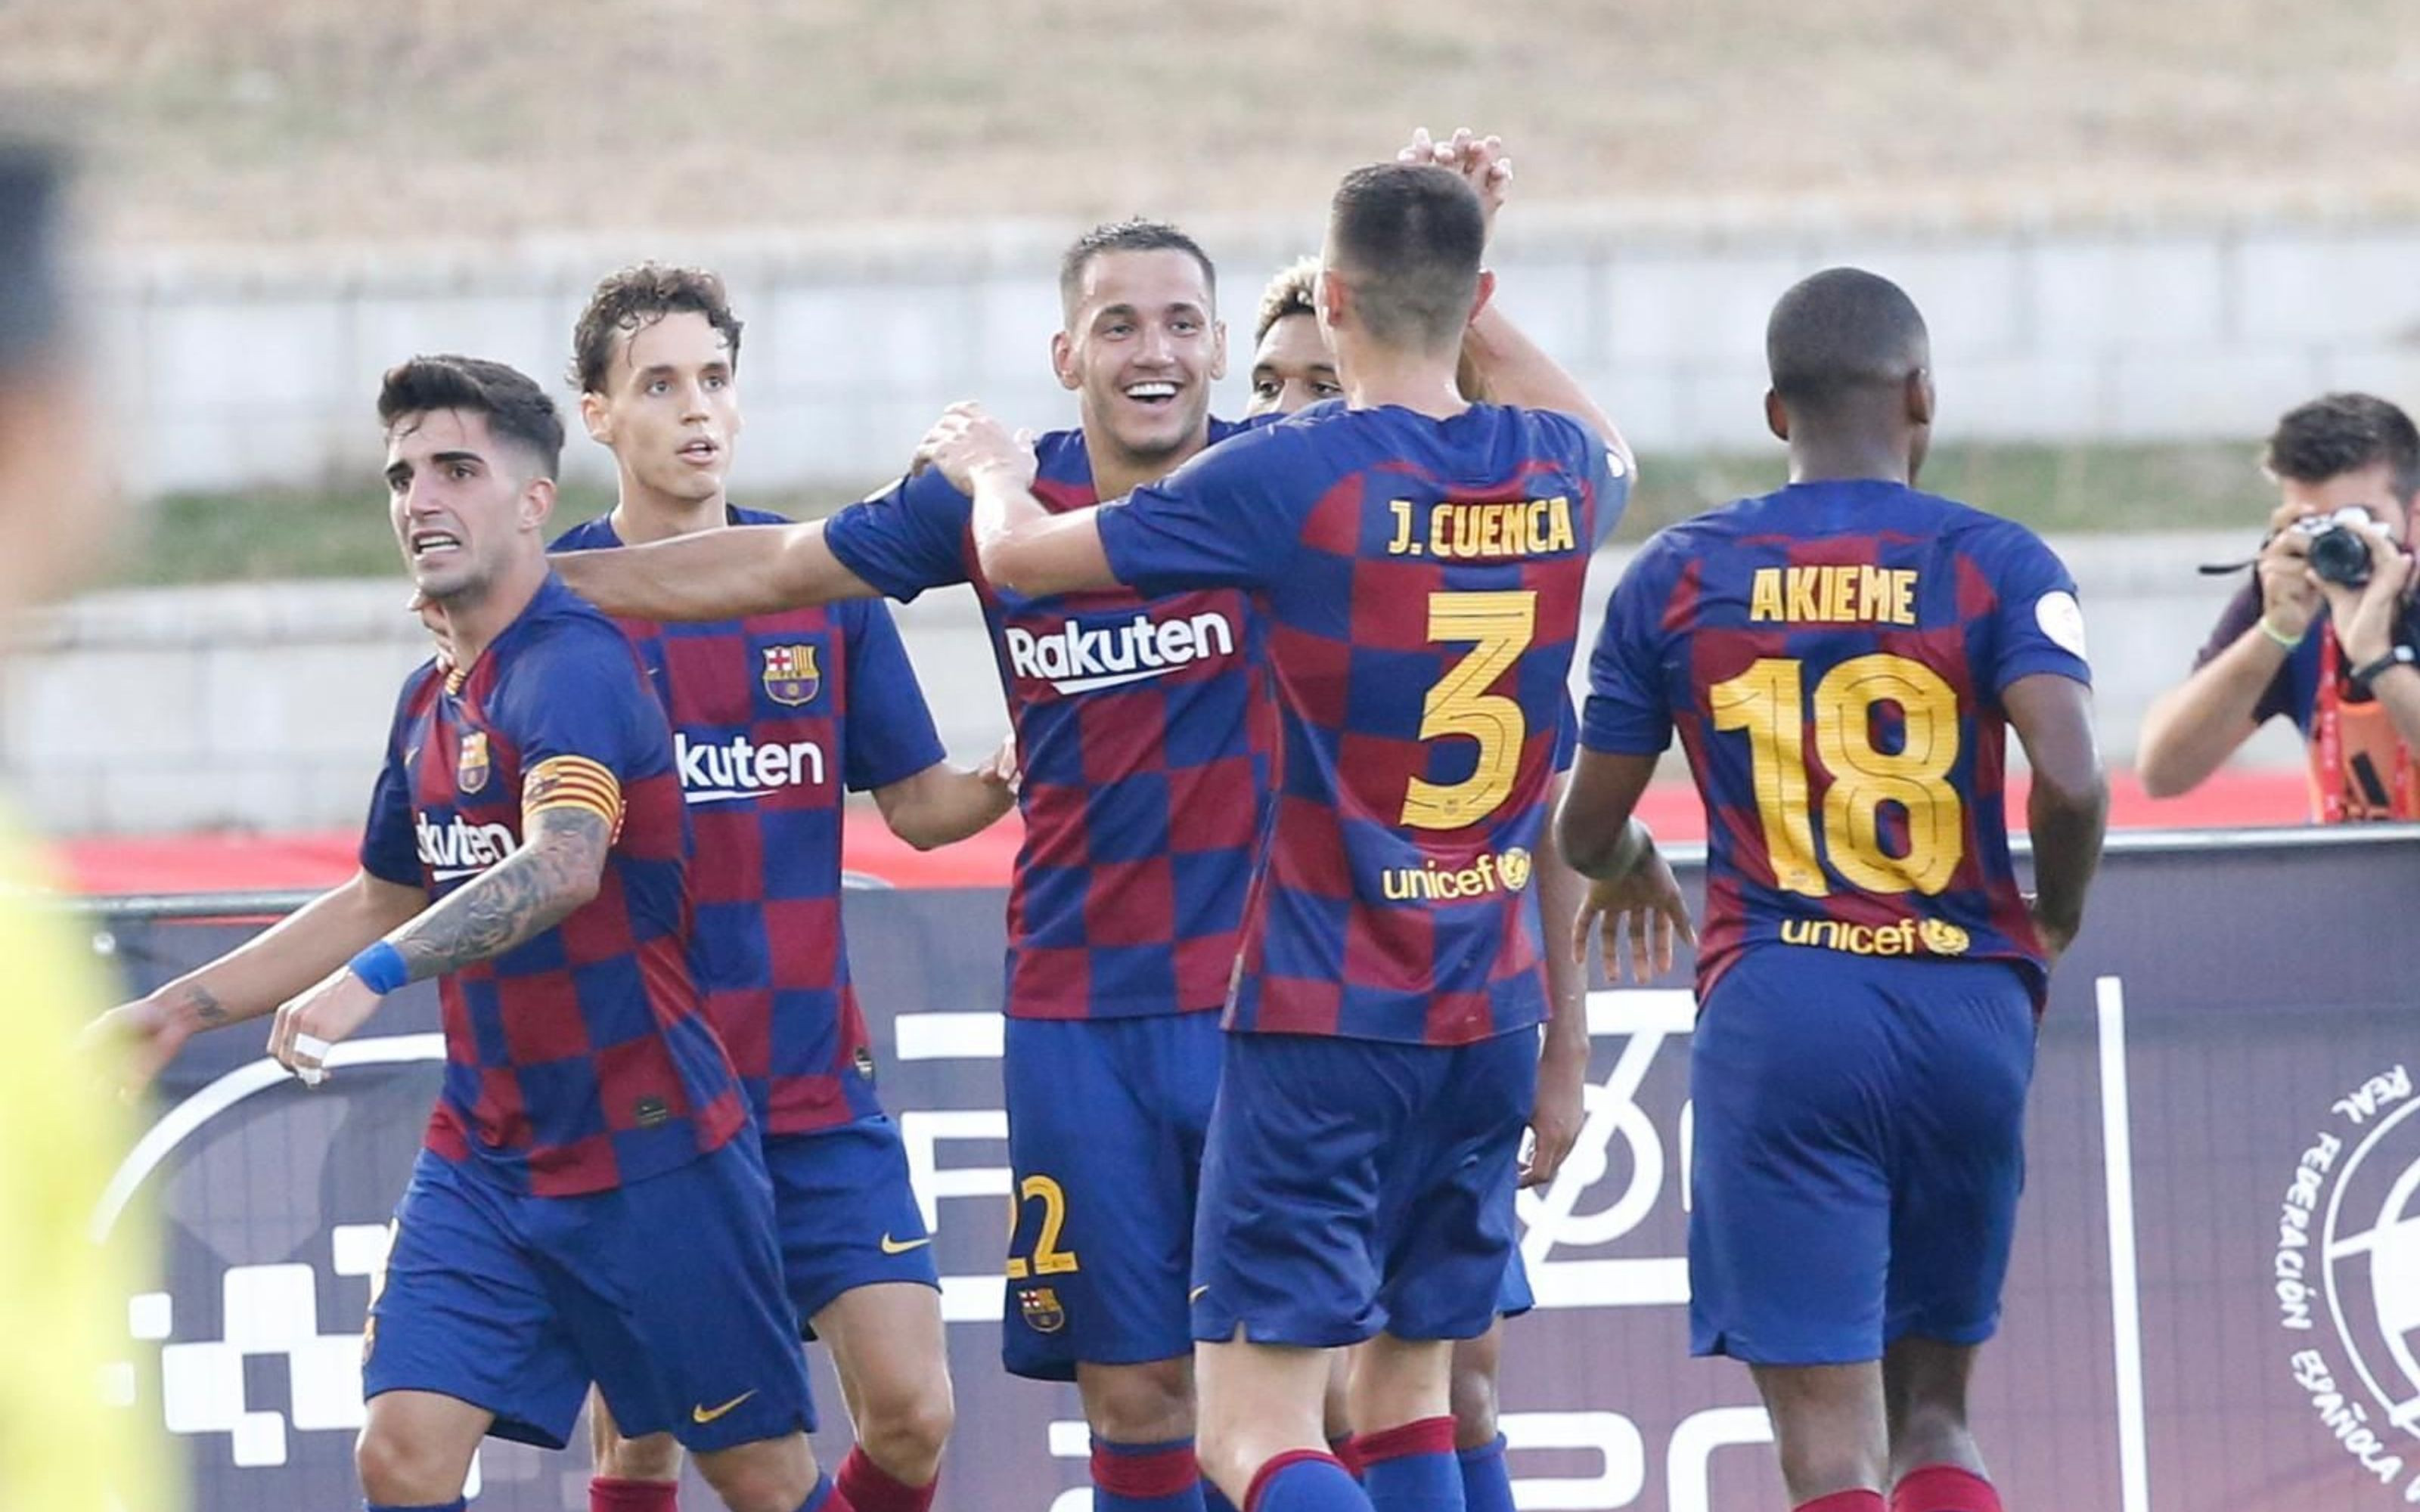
[(247, 120)]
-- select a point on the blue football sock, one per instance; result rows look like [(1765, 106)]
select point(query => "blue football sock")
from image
[(1486, 1484), (1412, 1468), (1146, 1477), (1306, 1482)]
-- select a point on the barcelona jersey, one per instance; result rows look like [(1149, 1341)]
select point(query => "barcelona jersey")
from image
[(1142, 728), (1833, 657), (581, 1059), (771, 717), (1420, 580)]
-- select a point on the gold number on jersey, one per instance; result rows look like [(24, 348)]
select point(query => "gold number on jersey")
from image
[(1502, 624), (1048, 1258), (1767, 702)]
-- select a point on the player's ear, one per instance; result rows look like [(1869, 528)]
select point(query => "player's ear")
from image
[(537, 503), (1217, 350), (1486, 293), (594, 415), (1919, 397), (1334, 297), (1062, 361), (1777, 416)]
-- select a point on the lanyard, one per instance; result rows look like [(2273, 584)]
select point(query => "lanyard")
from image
[(2338, 791)]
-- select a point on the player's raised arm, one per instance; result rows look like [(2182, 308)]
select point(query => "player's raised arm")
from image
[(2068, 808), (714, 575), (1560, 1107), (1509, 367), (1022, 546), (254, 977)]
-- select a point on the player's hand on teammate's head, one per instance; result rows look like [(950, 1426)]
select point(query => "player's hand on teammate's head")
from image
[(1480, 160), (128, 1045), (967, 442), (1646, 903)]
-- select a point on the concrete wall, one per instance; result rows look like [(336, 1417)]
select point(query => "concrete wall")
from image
[(252, 369), (267, 708)]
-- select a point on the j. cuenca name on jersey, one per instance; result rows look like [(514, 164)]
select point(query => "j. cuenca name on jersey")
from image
[(1462, 530)]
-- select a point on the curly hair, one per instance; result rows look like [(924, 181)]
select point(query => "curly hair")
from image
[(2340, 433), (1289, 293), (631, 298)]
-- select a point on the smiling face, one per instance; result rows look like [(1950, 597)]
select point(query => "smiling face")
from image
[(467, 508), (670, 407), (1141, 350), (1293, 368)]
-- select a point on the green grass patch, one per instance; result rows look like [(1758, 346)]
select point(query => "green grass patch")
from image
[(342, 531)]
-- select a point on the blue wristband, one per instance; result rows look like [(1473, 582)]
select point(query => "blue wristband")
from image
[(381, 968)]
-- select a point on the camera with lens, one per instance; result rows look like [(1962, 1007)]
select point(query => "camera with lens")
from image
[(2339, 551)]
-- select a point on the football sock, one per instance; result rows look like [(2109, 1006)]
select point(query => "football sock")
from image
[(1305, 1480), (1146, 1477), (1412, 1468), (1847, 1502), (825, 1496), (1347, 1453), (1943, 1488), (1213, 1498), (1486, 1484), (607, 1494), (872, 1489)]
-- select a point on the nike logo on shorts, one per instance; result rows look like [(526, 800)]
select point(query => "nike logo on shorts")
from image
[(894, 1246), (708, 1414)]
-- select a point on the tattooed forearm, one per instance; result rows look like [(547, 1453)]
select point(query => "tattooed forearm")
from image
[(536, 888), (203, 1005)]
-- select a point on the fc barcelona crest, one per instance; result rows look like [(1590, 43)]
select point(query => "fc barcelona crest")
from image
[(470, 768), (791, 675), (1041, 1309)]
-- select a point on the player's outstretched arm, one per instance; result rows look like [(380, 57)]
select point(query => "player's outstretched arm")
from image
[(255, 977), (714, 575), (1022, 546), (943, 804), (1498, 358), (2067, 810), (558, 867), (1630, 883), (1562, 1058)]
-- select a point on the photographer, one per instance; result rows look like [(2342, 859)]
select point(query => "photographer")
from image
[(2323, 634)]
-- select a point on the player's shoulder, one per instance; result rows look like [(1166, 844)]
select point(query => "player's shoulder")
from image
[(1987, 539), (560, 627), (742, 514), (588, 535)]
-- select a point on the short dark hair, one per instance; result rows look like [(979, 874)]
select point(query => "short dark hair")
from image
[(517, 410), (1293, 291), (1135, 234), (630, 299), (1840, 331), (33, 179), (2339, 433), (1408, 240)]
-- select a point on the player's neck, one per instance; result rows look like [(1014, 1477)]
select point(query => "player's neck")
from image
[(1421, 382), (474, 620), (1117, 472), (643, 514), (1847, 460)]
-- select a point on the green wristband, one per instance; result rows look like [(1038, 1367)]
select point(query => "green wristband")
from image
[(2288, 641)]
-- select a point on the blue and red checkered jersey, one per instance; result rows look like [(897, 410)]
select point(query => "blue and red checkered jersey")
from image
[(1421, 582), (1834, 656), (581, 1059), (772, 715), (1142, 729)]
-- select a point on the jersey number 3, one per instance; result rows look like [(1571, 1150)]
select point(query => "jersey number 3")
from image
[(1503, 625), (1768, 701)]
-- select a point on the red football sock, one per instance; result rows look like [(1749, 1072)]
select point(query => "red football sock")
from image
[(1847, 1502), (606, 1494), (869, 1487), (1943, 1488)]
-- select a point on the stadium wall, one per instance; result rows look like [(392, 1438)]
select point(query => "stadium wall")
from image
[(265, 707), (2214, 1299), (242, 369)]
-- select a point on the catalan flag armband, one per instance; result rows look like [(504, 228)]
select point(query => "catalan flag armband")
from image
[(572, 782)]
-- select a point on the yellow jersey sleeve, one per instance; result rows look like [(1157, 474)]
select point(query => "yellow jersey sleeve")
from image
[(62, 1300)]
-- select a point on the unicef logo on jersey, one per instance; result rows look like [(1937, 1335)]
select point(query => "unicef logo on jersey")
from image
[(2348, 1278)]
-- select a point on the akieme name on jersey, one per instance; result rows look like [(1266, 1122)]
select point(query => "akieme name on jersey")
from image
[(1076, 657)]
